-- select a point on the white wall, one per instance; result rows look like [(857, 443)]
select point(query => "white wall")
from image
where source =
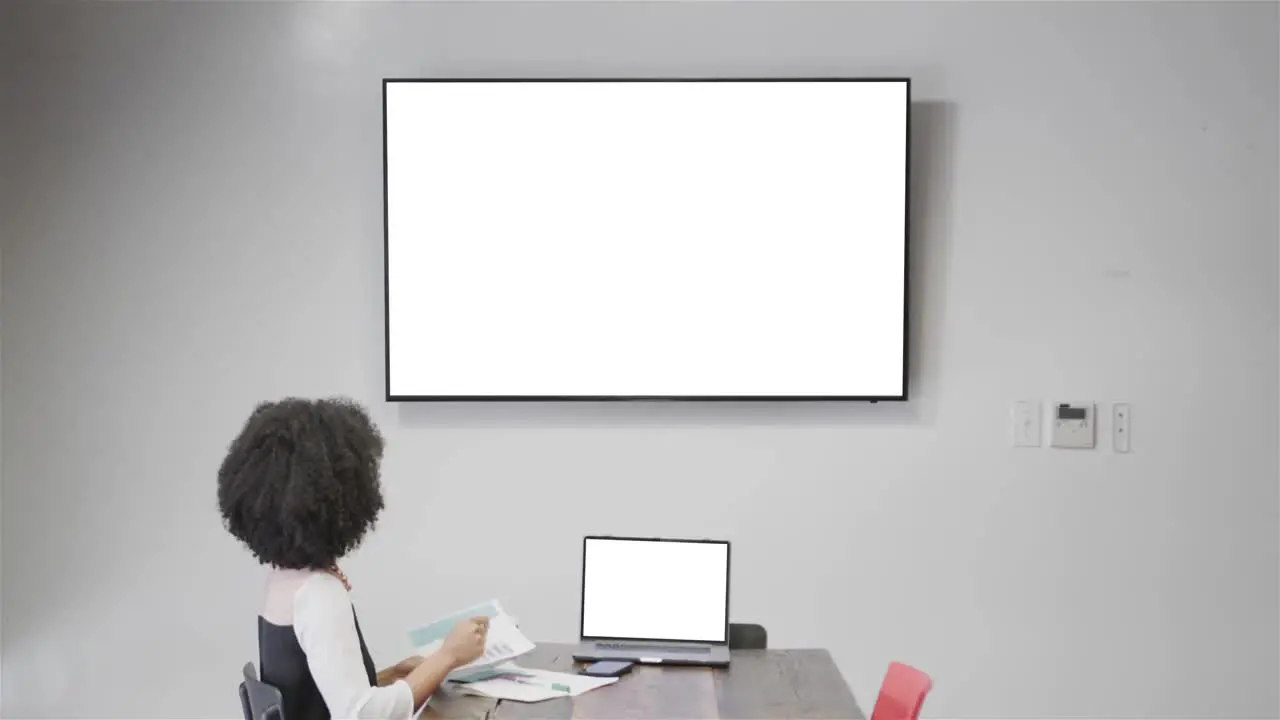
[(198, 227)]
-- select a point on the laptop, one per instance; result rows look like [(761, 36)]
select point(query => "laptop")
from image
[(655, 601)]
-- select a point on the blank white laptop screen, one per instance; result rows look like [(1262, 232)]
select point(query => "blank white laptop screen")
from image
[(646, 239), (655, 590)]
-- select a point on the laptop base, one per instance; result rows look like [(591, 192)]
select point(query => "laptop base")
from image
[(654, 653)]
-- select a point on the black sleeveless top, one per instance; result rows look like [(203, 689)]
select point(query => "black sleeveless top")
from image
[(284, 665)]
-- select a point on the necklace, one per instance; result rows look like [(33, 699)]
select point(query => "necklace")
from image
[(341, 576)]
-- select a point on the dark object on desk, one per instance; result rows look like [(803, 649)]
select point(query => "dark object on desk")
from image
[(747, 636), (608, 668), (259, 700), (902, 693), (757, 685)]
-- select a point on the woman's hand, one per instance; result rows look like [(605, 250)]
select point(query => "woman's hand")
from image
[(465, 642)]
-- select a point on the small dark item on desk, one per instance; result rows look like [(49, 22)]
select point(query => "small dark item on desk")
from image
[(608, 668)]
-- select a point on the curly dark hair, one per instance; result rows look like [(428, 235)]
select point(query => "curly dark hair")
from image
[(299, 485)]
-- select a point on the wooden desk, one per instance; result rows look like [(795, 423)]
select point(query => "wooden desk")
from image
[(759, 684)]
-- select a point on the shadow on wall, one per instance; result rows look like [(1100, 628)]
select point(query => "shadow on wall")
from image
[(930, 187)]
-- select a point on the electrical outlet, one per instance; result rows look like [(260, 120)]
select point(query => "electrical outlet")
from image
[(1120, 427)]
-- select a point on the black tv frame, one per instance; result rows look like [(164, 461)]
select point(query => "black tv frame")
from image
[(906, 254)]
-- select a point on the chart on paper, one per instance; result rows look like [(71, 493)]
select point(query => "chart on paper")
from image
[(495, 652), (503, 643)]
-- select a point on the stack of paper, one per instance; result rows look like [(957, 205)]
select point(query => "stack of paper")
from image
[(504, 642), (524, 685)]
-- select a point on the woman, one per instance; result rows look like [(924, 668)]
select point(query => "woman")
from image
[(299, 487)]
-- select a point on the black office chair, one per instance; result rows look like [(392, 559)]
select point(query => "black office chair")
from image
[(747, 636), (259, 700)]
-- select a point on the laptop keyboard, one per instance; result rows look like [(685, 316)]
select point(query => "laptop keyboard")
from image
[(632, 647)]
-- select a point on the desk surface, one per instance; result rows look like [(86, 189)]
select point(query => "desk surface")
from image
[(758, 684)]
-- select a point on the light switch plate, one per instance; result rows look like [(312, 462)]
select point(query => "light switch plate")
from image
[(1072, 425), (1026, 423)]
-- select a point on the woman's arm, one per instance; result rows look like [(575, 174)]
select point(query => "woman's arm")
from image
[(325, 627), (427, 676), (398, 671), (464, 644)]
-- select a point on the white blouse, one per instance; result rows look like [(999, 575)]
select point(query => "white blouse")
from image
[(318, 607)]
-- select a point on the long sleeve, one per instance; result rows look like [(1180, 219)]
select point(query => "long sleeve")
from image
[(324, 624)]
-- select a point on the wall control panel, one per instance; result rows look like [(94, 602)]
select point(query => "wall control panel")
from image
[(1072, 425)]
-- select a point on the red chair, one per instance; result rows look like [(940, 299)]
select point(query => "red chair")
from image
[(902, 693)]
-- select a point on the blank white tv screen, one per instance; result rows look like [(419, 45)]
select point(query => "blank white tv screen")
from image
[(646, 239)]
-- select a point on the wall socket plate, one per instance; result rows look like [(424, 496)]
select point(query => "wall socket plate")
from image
[(1120, 422)]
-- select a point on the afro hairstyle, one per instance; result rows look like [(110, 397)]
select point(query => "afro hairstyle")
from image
[(299, 485)]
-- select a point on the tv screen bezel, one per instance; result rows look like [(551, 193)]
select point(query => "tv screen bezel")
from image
[(906, 255)]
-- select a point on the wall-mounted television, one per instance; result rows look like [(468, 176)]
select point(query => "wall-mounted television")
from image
[(699, 239)]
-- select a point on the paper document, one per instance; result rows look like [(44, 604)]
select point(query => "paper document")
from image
[(524, 685), (503, 643), (500, 689)]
